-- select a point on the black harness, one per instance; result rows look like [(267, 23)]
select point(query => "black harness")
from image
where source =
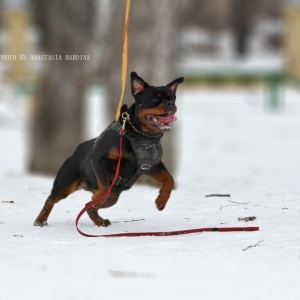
[(147, 151)]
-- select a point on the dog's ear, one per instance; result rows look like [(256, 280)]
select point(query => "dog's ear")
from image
[(138, 85), (173, 85)]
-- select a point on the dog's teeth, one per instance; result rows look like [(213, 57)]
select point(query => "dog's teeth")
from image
[(155, 120)]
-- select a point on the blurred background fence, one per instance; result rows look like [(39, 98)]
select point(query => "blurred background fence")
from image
[(213, 43)]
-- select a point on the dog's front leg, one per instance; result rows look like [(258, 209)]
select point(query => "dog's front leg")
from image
[(98, 168), (93, 211), (161, 174)]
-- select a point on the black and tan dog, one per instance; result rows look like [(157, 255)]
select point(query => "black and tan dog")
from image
[(93, 164)]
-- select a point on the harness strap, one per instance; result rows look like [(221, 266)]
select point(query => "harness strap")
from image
[(129, 181), (147, 153)]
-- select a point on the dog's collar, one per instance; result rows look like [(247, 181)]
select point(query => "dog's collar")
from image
[(126, 118)]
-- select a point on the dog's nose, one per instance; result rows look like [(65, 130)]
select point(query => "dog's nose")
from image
[(170, 104)]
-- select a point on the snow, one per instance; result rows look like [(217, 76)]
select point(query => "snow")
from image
[(230, 143)]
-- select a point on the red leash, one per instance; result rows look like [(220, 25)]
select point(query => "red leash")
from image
[(157, 233), (178, 232)]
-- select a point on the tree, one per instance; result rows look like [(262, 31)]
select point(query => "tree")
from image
[(242, 20), (57, 118)]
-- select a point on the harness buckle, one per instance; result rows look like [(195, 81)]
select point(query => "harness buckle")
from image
[(118, 180), (145, 167)]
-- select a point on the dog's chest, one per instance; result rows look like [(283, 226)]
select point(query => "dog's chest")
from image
[(147, 153)]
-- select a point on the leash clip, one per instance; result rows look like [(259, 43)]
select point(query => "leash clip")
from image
[(126, 117)]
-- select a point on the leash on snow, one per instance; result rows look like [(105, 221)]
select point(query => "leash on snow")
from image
[(103, 197)]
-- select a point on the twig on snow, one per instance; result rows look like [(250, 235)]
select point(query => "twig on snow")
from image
[(130, 274), (135, 220), (257, 244), (221, 207), (130, 221), (247, 219), (218, 195), (238, 202)]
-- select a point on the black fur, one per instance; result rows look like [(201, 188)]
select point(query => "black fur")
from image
[(93, 164)]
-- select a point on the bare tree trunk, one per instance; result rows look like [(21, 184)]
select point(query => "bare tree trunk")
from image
[(1, 13), (242, 18), (57, 119), (152, 51)]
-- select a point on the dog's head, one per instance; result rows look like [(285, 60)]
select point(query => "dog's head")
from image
[(155, 107)]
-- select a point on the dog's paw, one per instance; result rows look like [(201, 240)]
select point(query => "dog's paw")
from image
[(40, 223), (102, 222), (106, 222), (160, 204)]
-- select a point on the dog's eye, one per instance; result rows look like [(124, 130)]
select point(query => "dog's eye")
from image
[(155, 100)]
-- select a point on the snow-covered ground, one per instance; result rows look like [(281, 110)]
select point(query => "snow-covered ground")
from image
[(229, 144)]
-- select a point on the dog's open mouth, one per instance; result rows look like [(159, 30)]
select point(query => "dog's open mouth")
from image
[(163, 122)]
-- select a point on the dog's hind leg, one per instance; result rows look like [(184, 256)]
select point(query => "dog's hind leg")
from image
[(67, 181)]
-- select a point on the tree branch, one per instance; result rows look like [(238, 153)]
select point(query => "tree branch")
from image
[(252, 246), (218, 195)]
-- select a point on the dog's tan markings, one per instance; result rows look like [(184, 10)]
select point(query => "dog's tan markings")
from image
[(167, 182), (93, 211), (114, 154), (111, 200), (68, 190), (41, 220), (102, 189)]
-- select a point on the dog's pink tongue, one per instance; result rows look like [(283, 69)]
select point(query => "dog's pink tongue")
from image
[(166, 120)]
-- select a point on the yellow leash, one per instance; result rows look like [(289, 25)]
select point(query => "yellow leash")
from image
[(124, 57)]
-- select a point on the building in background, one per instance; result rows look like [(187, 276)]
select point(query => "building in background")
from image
[(292, 38), (16, 41)]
